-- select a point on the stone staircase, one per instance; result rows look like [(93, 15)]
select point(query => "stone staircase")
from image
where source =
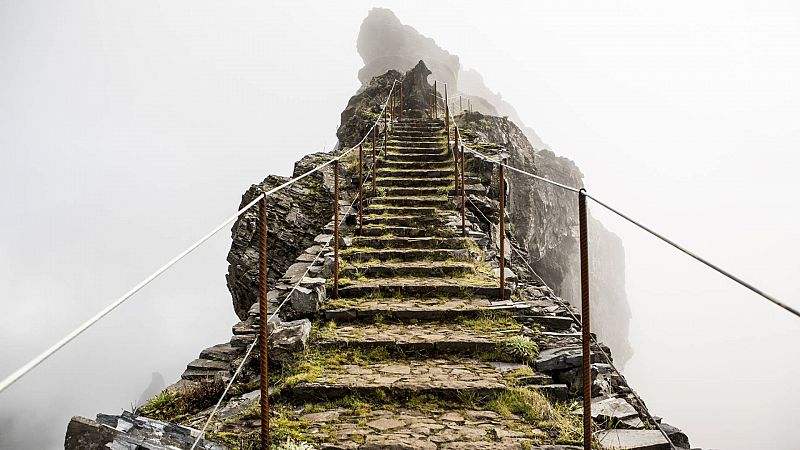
[(410, 355)]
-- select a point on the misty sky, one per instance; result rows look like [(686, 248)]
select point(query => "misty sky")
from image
[(129, 129)]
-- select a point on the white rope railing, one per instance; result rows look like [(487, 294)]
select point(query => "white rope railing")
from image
[(30, 365), (255, 341)]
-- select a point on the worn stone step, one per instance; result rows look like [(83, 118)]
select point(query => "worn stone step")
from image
[(399, 135), (394, 181), (378, 209), (443, 428), (201, 375), (442, 378), (422, 287), (432, 156), (417, 164), (429, 339), (417, 148), (397, 191), (425, 220), (411, 243), (440, 201), (404, 231), (208, 364), (415, 173), (409, 269), (425, 127), (410, 255), (414, 309), (220, 352)]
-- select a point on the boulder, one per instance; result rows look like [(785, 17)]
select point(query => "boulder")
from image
[(286, 338)]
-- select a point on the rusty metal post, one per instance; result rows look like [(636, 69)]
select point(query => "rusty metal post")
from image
[(455, 167), (336, 229), (401, 100), (360, 188), (435, 103), (386, 116), (585, 329), (446, 114), (502, 233), (374, 162), (385, 138), (263, 302), (460, 107), (463, 198)]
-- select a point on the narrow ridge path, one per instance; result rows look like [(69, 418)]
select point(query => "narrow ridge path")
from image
[(418, 352)]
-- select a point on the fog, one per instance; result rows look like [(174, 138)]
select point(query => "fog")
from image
[(130, 129)]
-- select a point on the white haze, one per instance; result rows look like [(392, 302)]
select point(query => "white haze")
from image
[(129, 129)]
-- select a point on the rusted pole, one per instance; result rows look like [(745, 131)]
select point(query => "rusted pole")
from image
[(336, 229), (374, 161), (435, 105), (446, 114), (401, 100), (585, 330), (360, 188), (502, 233), (460, 107), (455, 166), (463, 198), (430, 109), (263, 302)]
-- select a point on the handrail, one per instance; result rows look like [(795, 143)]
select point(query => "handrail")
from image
[(30, 365)]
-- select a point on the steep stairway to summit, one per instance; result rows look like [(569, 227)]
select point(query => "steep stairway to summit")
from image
[(418, 352)]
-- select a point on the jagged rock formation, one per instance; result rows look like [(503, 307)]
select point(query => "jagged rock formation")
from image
[(386, 44), (544, 216), (294, 217), (545, 220)]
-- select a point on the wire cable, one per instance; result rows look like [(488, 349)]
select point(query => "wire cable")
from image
[(22, 371), (255, 341), (699, 258), (577, 321)]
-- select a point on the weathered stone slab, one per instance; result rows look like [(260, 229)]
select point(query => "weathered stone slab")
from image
[(632, 440)]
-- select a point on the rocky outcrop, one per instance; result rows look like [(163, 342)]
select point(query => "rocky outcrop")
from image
[(128, 431), (544, 220), (295, 216)]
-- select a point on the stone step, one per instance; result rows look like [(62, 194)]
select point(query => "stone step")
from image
[(409, 269), (426, 220), (415, 173), (378, 209), (426, 127), (202, 375), (415, 309), (400, 134), (429, 339), (398, 191), (442, 428), (418, 164), (440, 201), (422, 287), (208, 364), (438, 156), (441, 378), (386, 181), (403, 231), (417, 148), (411, 243), (220, 352), (410, 255)]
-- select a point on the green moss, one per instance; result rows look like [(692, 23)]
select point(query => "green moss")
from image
[(173, 406)]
